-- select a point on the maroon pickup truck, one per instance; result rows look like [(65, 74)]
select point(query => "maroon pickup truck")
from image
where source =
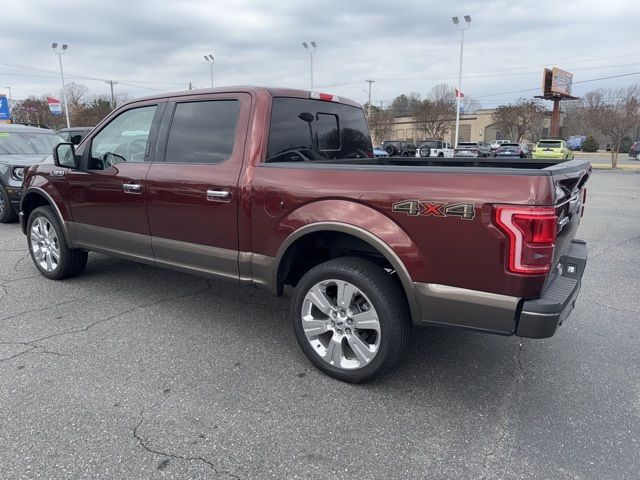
[(279, 187)]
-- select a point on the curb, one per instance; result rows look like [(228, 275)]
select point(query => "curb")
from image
[(607, 166)]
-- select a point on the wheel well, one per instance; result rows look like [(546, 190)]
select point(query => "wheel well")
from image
[(32, 201), (318, 247)]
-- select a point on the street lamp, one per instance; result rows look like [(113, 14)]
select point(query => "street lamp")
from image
[(59, 52), (311, 49), (209, 60), (461, 27)]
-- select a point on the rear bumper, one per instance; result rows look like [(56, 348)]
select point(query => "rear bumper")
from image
[(493, 313), (541, 317)]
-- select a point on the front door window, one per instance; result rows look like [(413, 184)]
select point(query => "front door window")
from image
[(125, 139)]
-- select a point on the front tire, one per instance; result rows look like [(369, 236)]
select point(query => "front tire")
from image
[(350, 318), (48, 248)]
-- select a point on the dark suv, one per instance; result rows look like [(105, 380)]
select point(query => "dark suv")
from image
[(399, 148)]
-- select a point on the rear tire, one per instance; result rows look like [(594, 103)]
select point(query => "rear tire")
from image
[(7, 213), (48, 248), (356, 339), (638, 156)]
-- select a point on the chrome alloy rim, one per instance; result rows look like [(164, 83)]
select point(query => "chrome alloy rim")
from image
[(44, 244), (341, 324)]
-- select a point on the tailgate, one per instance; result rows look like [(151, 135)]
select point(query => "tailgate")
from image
[(570, 195)]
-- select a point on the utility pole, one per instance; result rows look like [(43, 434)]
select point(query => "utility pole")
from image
[(54, 46), (369, 104), (190, 86), (462, 28), (113, 99)]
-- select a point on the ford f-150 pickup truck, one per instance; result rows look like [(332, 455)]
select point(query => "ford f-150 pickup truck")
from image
[(279, 188)]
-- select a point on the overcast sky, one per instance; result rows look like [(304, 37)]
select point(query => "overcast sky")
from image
[(405, 46)]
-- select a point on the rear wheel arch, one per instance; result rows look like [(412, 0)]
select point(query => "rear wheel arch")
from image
[(343, 240)]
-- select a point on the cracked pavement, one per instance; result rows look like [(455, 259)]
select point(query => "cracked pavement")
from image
[(129, 371)]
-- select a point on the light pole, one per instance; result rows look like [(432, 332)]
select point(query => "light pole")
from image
[(369, 104), (311, 49), (59, 52), (209, 60), (461, 27)]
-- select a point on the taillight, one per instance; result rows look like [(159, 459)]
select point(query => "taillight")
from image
[(531, 234)]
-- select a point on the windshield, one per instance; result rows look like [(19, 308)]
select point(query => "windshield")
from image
[(430, 144), (20, 143)]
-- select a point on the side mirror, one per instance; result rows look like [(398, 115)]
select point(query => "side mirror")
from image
[(64, 155)]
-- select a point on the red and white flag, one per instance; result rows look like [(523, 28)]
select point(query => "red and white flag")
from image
[(459, 93), (54, 105)]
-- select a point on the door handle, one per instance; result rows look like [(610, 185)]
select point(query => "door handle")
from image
[(131, 187), (218, 194)]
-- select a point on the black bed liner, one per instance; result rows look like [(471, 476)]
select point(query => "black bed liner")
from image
[(503, 166)]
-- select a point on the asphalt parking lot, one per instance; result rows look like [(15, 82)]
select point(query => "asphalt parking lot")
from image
[(134, 372)]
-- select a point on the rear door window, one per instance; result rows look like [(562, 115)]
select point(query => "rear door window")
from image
[(316, 131), (203, 131)]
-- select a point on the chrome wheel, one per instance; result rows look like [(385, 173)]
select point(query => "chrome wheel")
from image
[(341, 324), (44, 244), (637, 156)]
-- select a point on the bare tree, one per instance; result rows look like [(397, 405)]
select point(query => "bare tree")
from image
[(614, 112), (36, 111), (434, 115), (470, 105), (520, 120), (442, 93), (381, 124), (434, 118)]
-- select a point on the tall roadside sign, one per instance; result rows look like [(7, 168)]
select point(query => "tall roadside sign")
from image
[(5, 114), (556, 86)]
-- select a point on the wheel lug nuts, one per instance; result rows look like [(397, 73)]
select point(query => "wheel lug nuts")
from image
[(349, 322), (348, 331)]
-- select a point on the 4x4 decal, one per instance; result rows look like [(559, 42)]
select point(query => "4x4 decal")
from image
[(413, 208)]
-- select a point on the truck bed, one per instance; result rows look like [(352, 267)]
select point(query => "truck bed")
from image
[(504, 166)]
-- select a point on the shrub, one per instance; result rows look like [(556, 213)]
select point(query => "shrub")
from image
[(590, 144), (625, 145)]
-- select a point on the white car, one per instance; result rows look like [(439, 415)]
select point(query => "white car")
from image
[(496, 144), (434, 148)]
